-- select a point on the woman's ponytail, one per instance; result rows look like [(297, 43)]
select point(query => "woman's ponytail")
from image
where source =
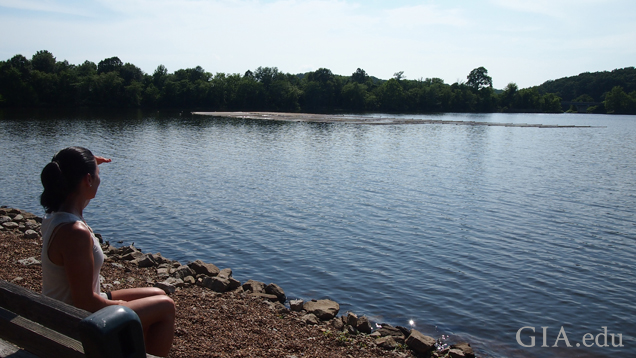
[(63, 174)]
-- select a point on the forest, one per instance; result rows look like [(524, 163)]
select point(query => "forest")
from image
[(42, 81)]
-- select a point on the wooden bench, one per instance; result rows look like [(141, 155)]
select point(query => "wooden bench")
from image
[(51, 328)]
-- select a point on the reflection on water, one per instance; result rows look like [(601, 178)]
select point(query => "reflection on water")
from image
[(472, 232)]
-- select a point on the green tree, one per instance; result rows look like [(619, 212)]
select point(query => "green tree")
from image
[(551, 103), (360, 76), (109, 65), (43, 61), (478, 78), (354, 96), (617, 101)]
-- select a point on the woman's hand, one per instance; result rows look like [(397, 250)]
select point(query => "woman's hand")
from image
[(101, 160)]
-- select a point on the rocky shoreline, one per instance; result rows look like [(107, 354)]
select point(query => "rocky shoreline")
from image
[(217, 315)]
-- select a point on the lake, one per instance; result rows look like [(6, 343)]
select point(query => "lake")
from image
[(469, 231)]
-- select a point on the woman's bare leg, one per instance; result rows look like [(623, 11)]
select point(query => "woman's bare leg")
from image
[(156, 312), (129, 294)]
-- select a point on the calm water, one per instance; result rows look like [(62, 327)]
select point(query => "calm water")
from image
[(470, 231)]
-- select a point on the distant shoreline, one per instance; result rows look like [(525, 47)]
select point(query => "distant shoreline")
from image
[(333, 118)]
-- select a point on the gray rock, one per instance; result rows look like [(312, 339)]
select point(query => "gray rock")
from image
[(32, 225), (466, 348), (168, 288), (419, 342), (456, 353), (274, 289), (31, 234), (189, 280), (216, 284), (277, 307), (18, 218), (160, 259), (5, 219), (352, 319), (146, 261), (234, 284), (387, 342), (133, 255), (338, 325), (201, 268), (254, 286), (364, 325), (10, 225), (295, 305), (30, 261), (310, 319), (182, 272), (272, 298), (351, 330), (174, 281), (226, 272), (388, 330), (323, 309)]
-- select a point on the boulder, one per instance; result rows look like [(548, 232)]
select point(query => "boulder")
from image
[(146, 261), (277, 307), (161, 260), (420, 343), (352, 319), (351, 330), (168, 288), (466, 348), (266, 296), (5, 219), (323, 309), (132, 255), (182, 272), (18, 218), (226, 272), (234, 284), (364, 325), (295, 305), (310, 319), (456, 353), (254, 286), (10, 225), (388, 330), (338, 325), (216, 284), (31, 234), (274, 289), (387, 343), (201, 268)]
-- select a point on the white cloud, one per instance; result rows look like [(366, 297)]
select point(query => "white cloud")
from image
[(422, 15), (553, 8), (46, 6)]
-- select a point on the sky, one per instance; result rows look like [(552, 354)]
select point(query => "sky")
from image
[(525, 42)]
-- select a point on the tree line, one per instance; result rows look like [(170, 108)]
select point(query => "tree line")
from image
[(42, 81)]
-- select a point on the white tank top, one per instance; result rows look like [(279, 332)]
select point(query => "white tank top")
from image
[(54, 281)]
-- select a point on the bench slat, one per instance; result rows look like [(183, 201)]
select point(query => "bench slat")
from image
[(37, 339), (49, 312)]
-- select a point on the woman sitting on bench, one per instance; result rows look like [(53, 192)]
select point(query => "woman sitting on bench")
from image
[(72, 257)]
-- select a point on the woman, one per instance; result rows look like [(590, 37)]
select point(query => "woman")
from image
[(72, 256)]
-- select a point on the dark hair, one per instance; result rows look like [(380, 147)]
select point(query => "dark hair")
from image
[(63, 174)]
